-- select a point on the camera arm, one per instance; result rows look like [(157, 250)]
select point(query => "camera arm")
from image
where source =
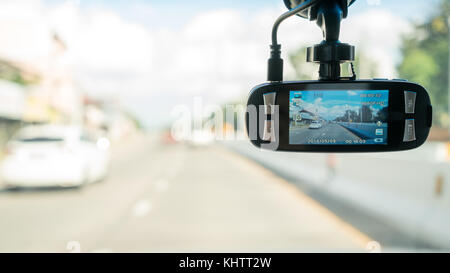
[(329, 17), (331, 53)]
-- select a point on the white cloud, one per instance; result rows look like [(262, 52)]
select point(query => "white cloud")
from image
[(377, 33), (24, 36)]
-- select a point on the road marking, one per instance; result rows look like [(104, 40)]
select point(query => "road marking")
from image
[(73, 247), (359, 237), (373, 247), (102, 250), (141, 208)]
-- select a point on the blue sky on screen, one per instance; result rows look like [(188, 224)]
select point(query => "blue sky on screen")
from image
[(353, 98), (332, 103)]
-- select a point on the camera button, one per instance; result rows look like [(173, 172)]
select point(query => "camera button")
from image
[(410, 131), (269, 101), (410, 102)]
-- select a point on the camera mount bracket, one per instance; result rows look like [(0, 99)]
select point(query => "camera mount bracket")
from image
[(330, 53)]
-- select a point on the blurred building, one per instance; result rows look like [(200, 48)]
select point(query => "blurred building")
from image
[(51, 93), (12, 105), (108, 116), (55, 99), (37, 92), (37, 84)]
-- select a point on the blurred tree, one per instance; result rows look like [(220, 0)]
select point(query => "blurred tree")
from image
[(425, 59), (303, 70), (365, 67), (13, 73)]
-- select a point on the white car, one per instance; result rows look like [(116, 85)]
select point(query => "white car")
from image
[(49, 156), (315, 125)]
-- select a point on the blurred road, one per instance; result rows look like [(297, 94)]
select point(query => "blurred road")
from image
[(174, 198), (399, 199), (326, 132)]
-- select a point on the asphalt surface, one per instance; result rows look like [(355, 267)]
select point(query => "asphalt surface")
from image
[(377, 193), (174, 198), (326, 132)]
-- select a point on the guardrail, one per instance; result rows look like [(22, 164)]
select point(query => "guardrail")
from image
[(363, 130)]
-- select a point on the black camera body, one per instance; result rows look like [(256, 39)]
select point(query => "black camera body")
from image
[(339, 116), (335, 113)]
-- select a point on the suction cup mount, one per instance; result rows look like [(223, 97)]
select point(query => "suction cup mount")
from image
[(330, 53)]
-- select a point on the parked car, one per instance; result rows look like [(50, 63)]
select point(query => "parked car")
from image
[(315, 125), (49, 155)]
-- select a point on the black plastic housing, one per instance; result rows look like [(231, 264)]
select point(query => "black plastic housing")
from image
[(396, 117), (330, 52)]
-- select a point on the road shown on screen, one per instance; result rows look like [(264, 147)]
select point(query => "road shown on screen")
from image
[(326, 132)]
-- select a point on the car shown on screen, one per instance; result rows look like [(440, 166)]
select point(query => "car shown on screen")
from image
[(315, 125), (54, 156)]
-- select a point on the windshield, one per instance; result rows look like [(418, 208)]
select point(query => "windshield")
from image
[(163, 86)]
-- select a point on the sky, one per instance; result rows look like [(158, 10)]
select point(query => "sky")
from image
[(156, 12), (154, 55)]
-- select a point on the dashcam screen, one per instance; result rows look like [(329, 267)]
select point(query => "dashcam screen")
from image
[(338, 117)]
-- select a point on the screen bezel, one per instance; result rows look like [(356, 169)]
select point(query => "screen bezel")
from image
[(396, 116)]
